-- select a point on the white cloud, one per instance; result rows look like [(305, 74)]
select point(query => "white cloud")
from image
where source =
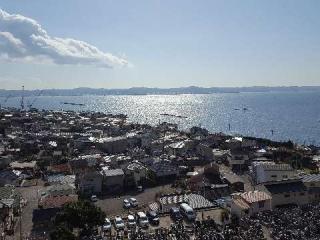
[(23, 38)]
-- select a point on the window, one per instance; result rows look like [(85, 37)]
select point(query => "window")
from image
[(302, 194), (261, 204), (285, 176), (273, 176), (287, 195)]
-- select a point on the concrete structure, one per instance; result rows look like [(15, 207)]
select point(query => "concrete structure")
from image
[(90, 182), (113, 179), (287, 192), (312, 182), (269, 171)]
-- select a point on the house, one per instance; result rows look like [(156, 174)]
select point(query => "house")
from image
[(89, 182), (59, 168), (163, 170), (58, 190), (83, 164), (312, 182), (250, 203), (113, 179), (179, 148), (61, 179), (57, 201), (238, 161), (118, 144), (269, 171), (5, 161), (286, 192), (235, 183), (205, 151), (12, 197), (135, 173), (11, 177), (29, 168), (6, 218)]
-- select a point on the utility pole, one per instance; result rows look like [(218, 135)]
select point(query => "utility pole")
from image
[(20, 226), (22, 99)]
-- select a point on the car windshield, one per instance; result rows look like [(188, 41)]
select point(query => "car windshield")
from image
[(119, 221)]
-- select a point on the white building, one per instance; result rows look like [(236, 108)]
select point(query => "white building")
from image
[(263, 172)]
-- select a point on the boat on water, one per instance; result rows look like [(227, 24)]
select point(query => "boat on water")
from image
[(73, 104), (172, 115)]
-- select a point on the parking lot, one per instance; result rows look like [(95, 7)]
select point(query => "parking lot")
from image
[(166, 221), (114, 207)]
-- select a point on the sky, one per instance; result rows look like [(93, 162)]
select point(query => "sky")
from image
[(159, 43)]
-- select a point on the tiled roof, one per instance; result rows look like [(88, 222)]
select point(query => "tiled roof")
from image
[(58, 201), (60, 168), (241, 203), (255, 196)]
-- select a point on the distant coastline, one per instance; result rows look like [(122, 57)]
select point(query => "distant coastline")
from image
[(154, 91)]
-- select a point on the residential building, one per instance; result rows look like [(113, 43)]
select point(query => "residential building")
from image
[(269, 171), (249, 203)]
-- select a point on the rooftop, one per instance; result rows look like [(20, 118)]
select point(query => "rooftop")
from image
[(255, 196)]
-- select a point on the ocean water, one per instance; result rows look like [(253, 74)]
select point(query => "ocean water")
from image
[(291, 115)]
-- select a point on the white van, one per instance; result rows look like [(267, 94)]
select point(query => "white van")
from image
[(142, 219), (187, 212)]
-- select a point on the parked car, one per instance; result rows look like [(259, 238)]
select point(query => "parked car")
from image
[(119, 223), (94, 198), (131, 222), (133, 202), (126, 203), (107, 225), (153, 217), (142, 220), (175, 214), (187, 212), (139, 188)]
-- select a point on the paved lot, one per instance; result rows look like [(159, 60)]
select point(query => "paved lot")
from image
[(113, 206), (166, 221)]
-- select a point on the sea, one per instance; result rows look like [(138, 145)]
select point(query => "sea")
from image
[(278, 116)]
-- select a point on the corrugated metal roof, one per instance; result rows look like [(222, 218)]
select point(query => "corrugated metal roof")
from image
[(311, 178)]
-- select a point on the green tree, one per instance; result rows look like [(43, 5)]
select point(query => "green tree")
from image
[(62, 232), (81, 214)]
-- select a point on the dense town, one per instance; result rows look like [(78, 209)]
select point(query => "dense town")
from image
[(89, 175)]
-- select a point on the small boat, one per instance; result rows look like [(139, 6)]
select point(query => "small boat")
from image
[(172, 115), (73, 104)]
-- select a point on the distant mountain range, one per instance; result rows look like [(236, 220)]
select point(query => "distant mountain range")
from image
[(151, 91)]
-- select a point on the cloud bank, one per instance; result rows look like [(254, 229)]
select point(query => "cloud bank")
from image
[(23, 38)]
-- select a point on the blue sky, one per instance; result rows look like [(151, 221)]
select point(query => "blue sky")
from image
[(165, 43)]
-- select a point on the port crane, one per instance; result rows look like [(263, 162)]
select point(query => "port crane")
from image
[(34, 99)]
